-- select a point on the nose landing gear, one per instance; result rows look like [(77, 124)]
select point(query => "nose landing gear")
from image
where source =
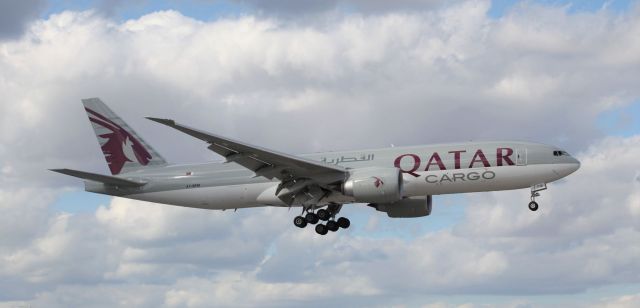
[(533, 205)]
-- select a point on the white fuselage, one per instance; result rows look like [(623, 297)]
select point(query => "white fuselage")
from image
[(427, 170)]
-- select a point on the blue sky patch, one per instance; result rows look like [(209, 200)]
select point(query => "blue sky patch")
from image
[(80, 202), (201, 10), (623, 121), (500, 8)]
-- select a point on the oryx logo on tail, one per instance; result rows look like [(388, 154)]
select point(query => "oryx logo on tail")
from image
[(121, 146)]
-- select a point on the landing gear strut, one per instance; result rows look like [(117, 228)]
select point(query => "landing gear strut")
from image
[(533, 205)]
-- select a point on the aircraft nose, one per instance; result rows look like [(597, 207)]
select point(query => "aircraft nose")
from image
[(575, 165), (571, 167), (568, 167)]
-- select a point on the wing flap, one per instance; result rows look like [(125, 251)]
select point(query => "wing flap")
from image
[(106, 179)]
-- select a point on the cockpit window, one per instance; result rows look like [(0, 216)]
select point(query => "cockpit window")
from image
[(560, 153)]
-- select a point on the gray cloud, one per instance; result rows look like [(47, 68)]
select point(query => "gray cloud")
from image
[(15, 15)]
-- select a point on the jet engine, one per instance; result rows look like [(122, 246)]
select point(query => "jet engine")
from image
[(408, 207), (375, 185)]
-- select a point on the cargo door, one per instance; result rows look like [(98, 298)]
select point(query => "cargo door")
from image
[(521, 156)]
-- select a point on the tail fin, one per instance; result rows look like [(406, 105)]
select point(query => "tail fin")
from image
[(123, 149)]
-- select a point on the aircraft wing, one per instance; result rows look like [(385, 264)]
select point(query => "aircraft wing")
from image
[(264, 162)]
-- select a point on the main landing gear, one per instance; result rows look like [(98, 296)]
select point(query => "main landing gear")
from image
[(327, 215), (533, 205)]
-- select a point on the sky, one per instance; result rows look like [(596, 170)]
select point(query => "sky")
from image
[(309, 76)]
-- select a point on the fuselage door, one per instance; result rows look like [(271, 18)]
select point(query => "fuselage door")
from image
[(521, 156)]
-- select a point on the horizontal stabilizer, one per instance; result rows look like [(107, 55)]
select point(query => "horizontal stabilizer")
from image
[(106, 179)]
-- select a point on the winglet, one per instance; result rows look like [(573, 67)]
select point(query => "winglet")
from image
[(168, 122)]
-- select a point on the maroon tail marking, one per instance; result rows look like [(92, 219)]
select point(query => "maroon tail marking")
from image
[(113, 149)]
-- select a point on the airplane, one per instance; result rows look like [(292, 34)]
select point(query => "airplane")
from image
[(399, 181)]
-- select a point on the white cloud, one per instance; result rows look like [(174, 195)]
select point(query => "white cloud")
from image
[(24, 213), (626, 301)]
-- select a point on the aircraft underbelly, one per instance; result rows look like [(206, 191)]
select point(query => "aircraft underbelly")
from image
[(479, 179), (216, 197)]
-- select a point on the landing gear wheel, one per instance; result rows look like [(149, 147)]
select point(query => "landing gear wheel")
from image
[(311, 218), (321, 229), (533, 206), (324, 214), (344, 222), (300, 222), (332, 226)]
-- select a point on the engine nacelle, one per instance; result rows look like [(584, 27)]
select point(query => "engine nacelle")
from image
[(374, 185), (409, 207)]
